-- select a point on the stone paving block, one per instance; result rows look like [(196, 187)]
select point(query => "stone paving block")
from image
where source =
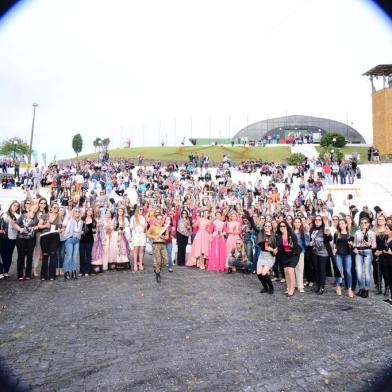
[(196, 331)]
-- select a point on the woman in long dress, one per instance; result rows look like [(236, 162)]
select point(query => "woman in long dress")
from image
[(217, 259), (109, 254), (97, 251), (138, 227), (233, 229), (120, 241), (201, 244)]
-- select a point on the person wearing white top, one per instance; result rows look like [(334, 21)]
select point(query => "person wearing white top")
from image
[(72, 234)]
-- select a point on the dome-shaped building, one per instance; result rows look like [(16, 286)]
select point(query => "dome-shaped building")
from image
[(282, 128)]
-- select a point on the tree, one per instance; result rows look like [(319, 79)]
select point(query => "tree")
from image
[(327, 140), (97, 143), (296, 159), (77, 144), (106, 142), (7, 147)]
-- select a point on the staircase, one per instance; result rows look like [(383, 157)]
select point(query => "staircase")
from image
[(7, 196), (307, 149)]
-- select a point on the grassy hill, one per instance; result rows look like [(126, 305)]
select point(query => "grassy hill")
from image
[(348, 150), (215, 153)]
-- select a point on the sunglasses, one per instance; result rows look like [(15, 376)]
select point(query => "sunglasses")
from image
[(364, 223), (283, 226)]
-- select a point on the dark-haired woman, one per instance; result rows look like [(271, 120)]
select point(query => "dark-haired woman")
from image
[(302, 234), (343, 245), (266, 242), (183, 232), (378, 257), (41, 214), (49, 241), (8, 237), (387, 253), (120, 241), (288, 250), (320, 237), (26, 225), (89, 229)]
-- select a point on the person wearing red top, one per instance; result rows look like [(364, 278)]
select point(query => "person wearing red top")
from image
[(327, 170)]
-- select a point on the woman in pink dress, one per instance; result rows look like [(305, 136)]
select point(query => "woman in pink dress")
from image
[(201, 244), (217, 259), (233, 229)]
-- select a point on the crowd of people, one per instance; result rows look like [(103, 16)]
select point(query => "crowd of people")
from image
[(104, 215)]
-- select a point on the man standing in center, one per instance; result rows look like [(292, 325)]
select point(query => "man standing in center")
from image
[(158, 235)]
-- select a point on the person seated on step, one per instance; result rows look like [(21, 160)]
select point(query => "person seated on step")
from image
[(238, 258)]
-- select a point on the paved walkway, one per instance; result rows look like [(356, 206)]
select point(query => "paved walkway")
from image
[(196, 331)]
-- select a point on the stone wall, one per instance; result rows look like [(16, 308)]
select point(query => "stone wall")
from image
[(382, 120)]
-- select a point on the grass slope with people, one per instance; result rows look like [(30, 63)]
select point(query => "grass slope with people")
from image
[(215, 153)]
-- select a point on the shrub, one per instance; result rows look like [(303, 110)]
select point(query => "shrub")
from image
[(296, 159), (327, 140)]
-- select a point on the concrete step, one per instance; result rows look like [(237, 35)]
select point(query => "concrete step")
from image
[(308, 150)]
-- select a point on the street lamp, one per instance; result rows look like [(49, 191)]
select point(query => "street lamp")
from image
[(99, 144), (15, 144), (334, 141), (32, 132)]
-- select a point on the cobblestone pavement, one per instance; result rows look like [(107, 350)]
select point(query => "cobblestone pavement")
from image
[(196, 331)]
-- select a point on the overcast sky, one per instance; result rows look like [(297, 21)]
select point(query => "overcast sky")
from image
[(180, 68)]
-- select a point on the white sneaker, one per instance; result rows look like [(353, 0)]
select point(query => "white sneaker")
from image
[(85, 274), (301, 290)]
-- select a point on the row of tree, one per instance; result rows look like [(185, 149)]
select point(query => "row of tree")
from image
[(77, 143), (18, 146)]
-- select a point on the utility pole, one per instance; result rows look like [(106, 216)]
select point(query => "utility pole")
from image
[(32, 133)]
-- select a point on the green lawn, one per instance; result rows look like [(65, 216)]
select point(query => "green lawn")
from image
[(215, 153), (361, 150)]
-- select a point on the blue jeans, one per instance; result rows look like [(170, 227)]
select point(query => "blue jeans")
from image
[(344, 265), (71, 254), (169, 248), (60, 255), (363, 264)]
